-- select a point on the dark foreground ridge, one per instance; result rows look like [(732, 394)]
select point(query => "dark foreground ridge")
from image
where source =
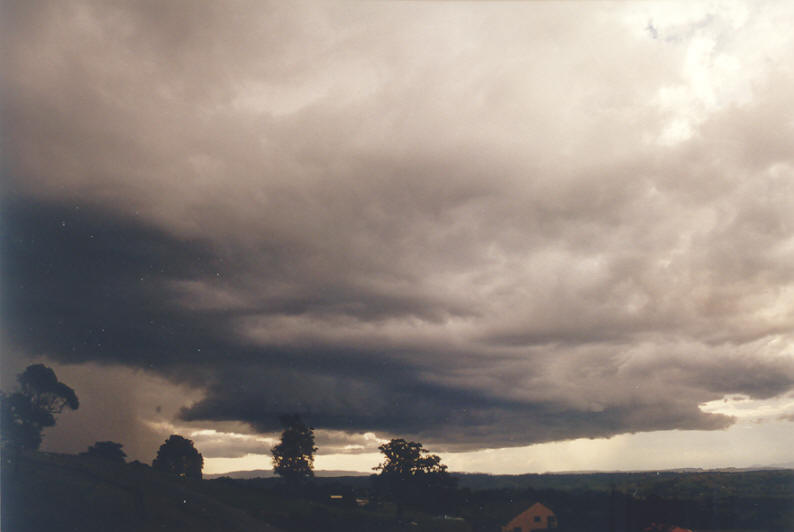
[(48, 492), (54, 493), (57, 492)]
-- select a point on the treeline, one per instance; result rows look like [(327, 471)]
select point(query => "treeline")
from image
[(40, 397), (409, 475)]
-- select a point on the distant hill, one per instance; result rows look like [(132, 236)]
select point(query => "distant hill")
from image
[(628, 481), (674, 483), (268, 473), (509, 480)]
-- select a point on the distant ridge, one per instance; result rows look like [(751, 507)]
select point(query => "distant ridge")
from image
[(775, 467), (268, 473), (668, 481)]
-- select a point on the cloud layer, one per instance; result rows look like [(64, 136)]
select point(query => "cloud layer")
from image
[(473, 225)]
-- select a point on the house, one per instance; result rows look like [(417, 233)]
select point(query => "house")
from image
[(536, 517), (657, 527), (362, 501)]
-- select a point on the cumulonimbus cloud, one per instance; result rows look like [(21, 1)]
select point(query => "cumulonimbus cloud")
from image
[(446, 231)]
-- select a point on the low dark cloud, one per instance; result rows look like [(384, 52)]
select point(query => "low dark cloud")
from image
[(439, 232), (83, 285)]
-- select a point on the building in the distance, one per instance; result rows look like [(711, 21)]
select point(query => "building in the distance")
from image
[(536, 517), (657, 527)]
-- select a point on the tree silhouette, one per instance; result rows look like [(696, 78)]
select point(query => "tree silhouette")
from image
[(411, 476), (106, 450), (179, 457), (26, 413), (293, 458)]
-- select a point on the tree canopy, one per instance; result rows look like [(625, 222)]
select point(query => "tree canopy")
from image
[(46, 392), (106, 450), (26, 413), (408, 459), (410, 475), (179, 457), (293, 458)]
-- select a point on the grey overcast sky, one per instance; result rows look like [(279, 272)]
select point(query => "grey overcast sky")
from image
[(533, 236)]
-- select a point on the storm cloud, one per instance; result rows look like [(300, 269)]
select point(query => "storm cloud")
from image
[(476, 225)]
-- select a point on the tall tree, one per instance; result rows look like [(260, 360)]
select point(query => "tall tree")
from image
[(412, 476), (106, 450), (24, 414), (293, 458), (179, 457)]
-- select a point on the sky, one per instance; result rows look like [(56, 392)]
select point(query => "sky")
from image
[(533, 236)]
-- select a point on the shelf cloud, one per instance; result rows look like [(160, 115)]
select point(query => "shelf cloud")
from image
[(475, 226)]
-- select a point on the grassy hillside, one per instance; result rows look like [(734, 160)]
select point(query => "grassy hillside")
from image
[(52, 492), (44, 492)]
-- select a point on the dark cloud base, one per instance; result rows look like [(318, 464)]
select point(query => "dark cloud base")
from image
[(83, 284), (427, 226)]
